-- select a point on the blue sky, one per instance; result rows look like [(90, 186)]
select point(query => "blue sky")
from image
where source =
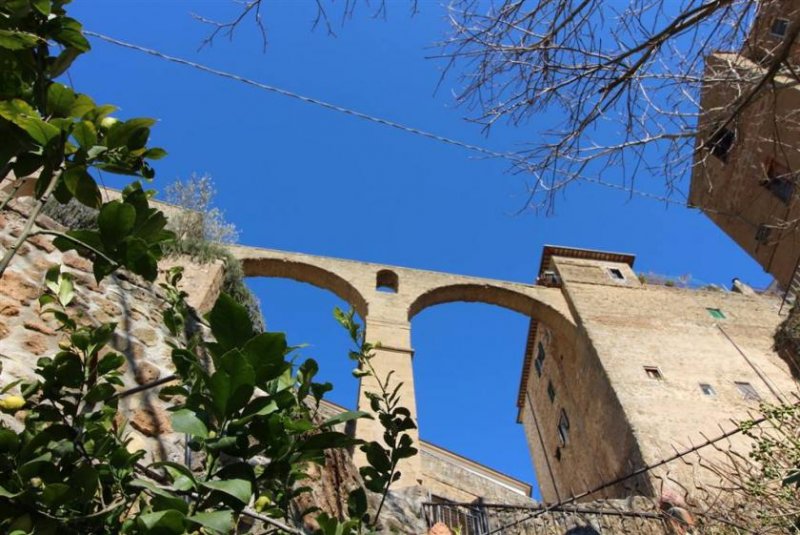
[(297, 177)]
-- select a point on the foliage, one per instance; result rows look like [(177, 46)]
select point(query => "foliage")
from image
[(58, 135), (201, 231), (70, 470), (199, 221)]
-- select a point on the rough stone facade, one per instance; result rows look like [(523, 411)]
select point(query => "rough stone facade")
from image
[(653, 369), (745, 177)]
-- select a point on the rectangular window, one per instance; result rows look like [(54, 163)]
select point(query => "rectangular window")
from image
[(779, 181), (721, 144), (539, 362), (716, 313), (653, 373), (707, 389), (616, 274), (551, 391), (762, 234), (748, 391), (779, 27), (563, 428)]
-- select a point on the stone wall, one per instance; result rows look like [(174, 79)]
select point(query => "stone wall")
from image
[(616, 407), (133, 303)]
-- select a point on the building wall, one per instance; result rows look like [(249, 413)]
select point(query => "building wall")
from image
[(601, 445), (733, 191), (617, 411)]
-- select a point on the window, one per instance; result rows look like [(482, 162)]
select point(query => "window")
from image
[(539, 362), (762, 234), (551, 391), (653, 373), (616, 274), (707, 389), (716, 313), (779, 27), (748, 391), (779, 181), (387, 281), (558, 453), (722, 143), (563, 428)]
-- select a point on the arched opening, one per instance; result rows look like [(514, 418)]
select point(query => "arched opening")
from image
[(298, 299), (467, 365), (467, 371), (387, 281)]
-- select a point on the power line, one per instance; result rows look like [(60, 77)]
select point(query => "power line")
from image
[(509, 156)]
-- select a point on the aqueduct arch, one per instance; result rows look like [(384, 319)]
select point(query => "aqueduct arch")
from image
[(387, 297)]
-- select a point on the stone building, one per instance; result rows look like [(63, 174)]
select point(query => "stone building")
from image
[(746, 163), (647, 369)]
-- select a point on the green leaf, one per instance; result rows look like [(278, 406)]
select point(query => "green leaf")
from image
[(83, 104), (42, 6), (24, 116), (60, 99), (346, 417), (70, 32), (116, 221), (83, 187), (241, 380), (84, 483), (110, 362), (265, 353), (219, 521), (163, 522), (237, 488), (85, 134), (357, 503), (154, 153), (178, 472), (56, 494), (9, 441), (185, 421), (16, 40), (230, 324)]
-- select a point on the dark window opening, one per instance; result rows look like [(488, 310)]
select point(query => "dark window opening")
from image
[(748, 391), (539, 362), (387, 281), (563, 428), (616, 274), (558, 453), (762, 234), (779, 27), (707, 389), (721, 143), (551, 391), (780, 181), (653, 373), (716, 313)]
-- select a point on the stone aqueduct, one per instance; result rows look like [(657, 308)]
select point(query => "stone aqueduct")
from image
[(388, 297)]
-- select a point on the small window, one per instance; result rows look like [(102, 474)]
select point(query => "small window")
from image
[(748, 391), (722, 143), (653, 373), (616, 274), (779, 181), (563, 428), (716, 313), (387, 281), (539, 362), (707, 390), (779, 27), (551, 391), (762, 234), (558, 453)]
